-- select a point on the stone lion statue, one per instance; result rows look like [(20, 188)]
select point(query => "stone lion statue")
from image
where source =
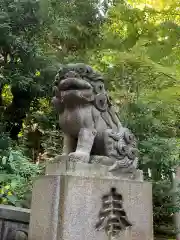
[(88, 120)]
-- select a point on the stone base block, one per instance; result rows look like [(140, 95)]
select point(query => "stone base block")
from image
[(67, 206), (61, 165)]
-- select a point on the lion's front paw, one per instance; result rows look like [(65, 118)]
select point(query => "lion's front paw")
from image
[(79, 157)]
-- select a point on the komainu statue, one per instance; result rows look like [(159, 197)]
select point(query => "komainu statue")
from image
[(86, 116)]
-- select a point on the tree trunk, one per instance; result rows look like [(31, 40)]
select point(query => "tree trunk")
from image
[(1, 99), (16, 111)]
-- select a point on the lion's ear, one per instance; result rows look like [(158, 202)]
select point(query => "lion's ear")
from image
[(100, 102)]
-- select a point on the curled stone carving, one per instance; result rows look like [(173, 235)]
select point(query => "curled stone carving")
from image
[(17, 235), (112, 217), (88, 119)]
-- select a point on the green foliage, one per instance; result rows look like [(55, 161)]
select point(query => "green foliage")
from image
[(34, 34), (159, 156), (69, 30), (6, 196), (21, 51), (17, 171)]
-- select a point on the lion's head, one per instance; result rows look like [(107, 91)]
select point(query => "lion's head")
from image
[(78, 84)]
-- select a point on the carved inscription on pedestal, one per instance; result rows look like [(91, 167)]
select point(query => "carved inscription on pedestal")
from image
[(112, 216)]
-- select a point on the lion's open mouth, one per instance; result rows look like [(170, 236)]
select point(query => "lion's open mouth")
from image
[(73, 84)]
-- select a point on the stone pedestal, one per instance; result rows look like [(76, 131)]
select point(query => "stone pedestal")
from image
[(66, 203)]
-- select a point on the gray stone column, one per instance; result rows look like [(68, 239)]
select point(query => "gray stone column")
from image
[(176, 182), (67, 201)]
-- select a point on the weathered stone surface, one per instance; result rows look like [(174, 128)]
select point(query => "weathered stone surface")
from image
[(14, 222), (62, 165), (66, 206), (14, 213), (9, 229), (88, 119), (176, 184), (17, 235)]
